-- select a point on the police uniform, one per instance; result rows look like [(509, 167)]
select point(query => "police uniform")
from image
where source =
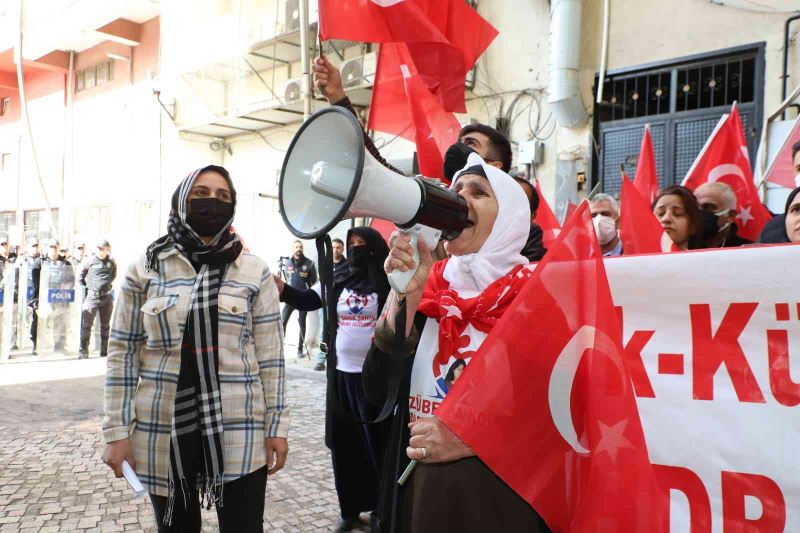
[(300, 274), (97, 276)]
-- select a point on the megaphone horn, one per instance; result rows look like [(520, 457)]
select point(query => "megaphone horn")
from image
[(328, 176)]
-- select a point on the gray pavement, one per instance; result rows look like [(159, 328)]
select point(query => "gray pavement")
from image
[(52, 479)]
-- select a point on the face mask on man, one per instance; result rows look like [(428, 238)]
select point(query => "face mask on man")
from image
[(455, 158), (797, 180), (606, 229), (711, 223), (207, 216)]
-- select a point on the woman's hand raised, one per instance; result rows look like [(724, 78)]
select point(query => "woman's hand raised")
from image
[(401, 257)]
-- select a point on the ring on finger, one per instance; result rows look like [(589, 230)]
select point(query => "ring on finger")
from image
[(424, 452)]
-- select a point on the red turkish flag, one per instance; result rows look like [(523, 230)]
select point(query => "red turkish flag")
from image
[(781, 171), (724, 158), (546, 219), (646, 180), (548, 404), (402, 105), (445, 37), (384, 227), (639, 229)]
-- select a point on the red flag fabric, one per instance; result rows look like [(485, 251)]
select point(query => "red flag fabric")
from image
[(639, 229), (377, 21), (547, 402), (646, 179), (546, 219), (445, 37), (402, 105), (384, 227), (724, 158), (781, 170), (569, 211)]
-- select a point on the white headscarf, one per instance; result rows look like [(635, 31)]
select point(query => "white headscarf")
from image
[(501, 251)]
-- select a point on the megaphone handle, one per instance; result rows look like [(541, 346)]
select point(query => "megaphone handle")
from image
[(399, 280)]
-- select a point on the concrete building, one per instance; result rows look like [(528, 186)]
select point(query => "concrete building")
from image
[(127, 96)]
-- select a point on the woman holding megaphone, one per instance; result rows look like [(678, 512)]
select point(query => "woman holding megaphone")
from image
[(450, 308), (195, 396)]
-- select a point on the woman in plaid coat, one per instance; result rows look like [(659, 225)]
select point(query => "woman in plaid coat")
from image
[(195, 388)]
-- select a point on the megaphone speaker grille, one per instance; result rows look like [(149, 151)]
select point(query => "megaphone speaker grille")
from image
[(321, 172)]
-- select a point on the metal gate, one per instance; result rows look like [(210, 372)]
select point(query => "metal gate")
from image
[(682, 101)]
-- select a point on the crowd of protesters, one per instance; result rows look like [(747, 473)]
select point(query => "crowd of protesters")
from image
[(221, 322)]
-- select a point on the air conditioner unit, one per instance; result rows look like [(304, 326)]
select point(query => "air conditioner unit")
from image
[(292, 91), (360, 71)]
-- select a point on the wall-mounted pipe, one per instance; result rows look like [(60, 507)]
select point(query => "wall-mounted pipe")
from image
[(564, 63), (603, 53), (785, 76)]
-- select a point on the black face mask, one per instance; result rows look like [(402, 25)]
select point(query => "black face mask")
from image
[(710, 225), (455, 158), (207, 216), (358, 257)]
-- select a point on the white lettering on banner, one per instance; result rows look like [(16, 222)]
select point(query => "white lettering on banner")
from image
[(710, 340)]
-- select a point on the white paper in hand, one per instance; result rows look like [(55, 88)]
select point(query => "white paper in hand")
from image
[(133, 480)]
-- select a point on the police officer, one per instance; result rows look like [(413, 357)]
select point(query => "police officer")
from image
[(97, 275), (301, 274), (60, 277)]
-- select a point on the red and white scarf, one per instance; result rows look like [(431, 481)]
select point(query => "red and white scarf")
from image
[(454, 313)]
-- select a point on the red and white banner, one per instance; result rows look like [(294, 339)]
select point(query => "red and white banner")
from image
[(712, 353)]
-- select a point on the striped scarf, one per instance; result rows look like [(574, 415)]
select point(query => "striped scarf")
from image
[(196, 450)]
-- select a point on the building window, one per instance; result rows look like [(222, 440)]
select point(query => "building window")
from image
[(37, 226), (92, 221), (8, 219), (5, 105), (95, 75), (702, 84)]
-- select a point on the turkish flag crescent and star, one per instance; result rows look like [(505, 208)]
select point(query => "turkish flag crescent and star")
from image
[(548, 404), (781, 171), (646, 179), (724, 158), (639, 229), (444, 37), (402, 105), (546, 219)]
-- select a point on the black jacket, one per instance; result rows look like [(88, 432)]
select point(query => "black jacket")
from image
[(97, 274), (734, 239), (393, 500), (774, 231), (300, 273)]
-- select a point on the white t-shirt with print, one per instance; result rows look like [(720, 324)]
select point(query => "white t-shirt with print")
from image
[(357, 315)]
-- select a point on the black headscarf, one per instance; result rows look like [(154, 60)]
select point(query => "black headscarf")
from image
[(774, 231), (366, 274), (224, 248)]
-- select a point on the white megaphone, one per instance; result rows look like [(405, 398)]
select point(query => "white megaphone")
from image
[(328, 176)]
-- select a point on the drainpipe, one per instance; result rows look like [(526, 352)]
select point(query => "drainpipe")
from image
[(785, 76), (564, 63), (27, 119), (305, 63), (603, 54)]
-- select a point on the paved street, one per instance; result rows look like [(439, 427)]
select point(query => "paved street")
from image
[(52, 479)]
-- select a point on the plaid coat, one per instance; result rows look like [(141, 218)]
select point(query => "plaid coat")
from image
[(144, 360)]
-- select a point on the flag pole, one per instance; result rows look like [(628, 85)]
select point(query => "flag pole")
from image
[(304, 60)]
